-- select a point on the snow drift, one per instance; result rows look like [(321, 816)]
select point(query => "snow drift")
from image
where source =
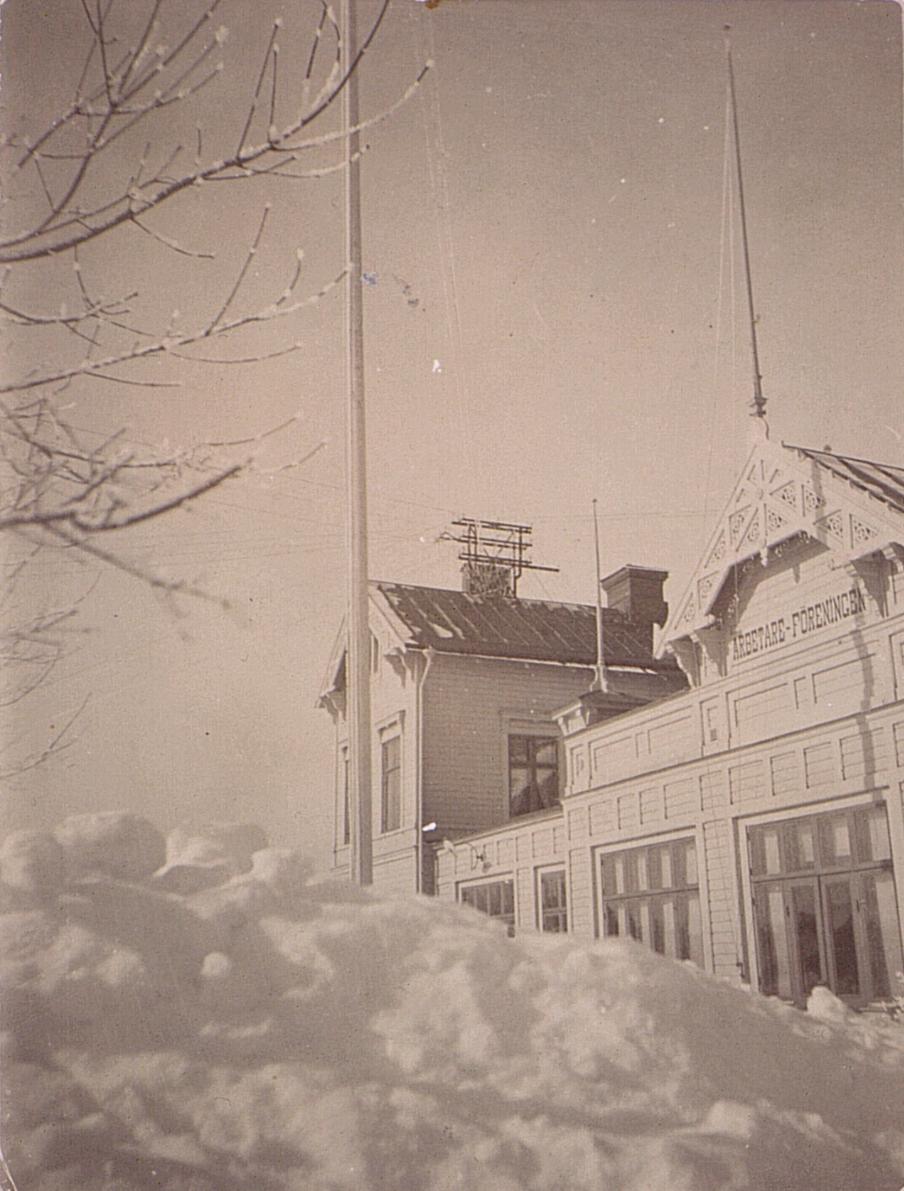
[(201, 1016)]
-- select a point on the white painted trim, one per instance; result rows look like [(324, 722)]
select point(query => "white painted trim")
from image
[(894, 808), (741, 919), (495, 657), (895, 646), (384, 725), (886, 523)]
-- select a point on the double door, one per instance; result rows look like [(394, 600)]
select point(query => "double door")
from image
[(824, 906)]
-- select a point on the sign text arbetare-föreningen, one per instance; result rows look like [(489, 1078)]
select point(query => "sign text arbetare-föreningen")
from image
[(797, 624)]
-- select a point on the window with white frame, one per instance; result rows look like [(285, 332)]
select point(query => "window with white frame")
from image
[(496, 899), (533, 771), (824, 905), (652, 894), (553, 901), (391, 783)]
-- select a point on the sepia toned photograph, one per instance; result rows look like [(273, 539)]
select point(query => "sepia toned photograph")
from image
[(452, 606)]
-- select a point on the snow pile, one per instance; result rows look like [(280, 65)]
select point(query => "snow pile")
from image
[(202, 1017)]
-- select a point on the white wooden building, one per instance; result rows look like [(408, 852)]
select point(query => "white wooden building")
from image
[(752, 823), (464, 687)]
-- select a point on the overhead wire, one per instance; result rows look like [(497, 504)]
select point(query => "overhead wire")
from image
[(436, 154)]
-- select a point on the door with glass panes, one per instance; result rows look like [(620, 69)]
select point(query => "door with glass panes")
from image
[(824, 905)]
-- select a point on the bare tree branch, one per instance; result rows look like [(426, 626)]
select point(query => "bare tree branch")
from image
[(64, 226), (169, 343), (53, 748), (106, 163)]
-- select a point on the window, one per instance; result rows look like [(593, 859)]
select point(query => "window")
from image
[(346, 807), (391, 751), (824, 908), (553, 901), (652, 894), (533, 773), (493, 898)]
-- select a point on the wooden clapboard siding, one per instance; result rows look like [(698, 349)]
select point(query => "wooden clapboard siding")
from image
[(469, 704), (394, 710), (787, 764)]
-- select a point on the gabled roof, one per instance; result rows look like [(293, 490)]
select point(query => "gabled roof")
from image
[(853, 507), (531, 630), (453, 622)]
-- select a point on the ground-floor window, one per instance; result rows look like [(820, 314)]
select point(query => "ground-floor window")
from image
[(493, 898), (824, 905), (553, 901), (652, 894)]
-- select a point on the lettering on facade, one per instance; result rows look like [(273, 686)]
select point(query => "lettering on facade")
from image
[(797, 624)]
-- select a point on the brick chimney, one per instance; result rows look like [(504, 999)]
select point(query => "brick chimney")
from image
[(636, 592)]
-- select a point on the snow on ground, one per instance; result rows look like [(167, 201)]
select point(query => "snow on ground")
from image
[(200, 1016)]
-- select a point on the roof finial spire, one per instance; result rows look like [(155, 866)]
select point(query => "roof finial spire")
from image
[(758, 405)]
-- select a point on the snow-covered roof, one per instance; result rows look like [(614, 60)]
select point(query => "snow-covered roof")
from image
[(449, 621)]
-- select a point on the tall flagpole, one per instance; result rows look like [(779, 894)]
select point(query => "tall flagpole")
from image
[(358, 645)]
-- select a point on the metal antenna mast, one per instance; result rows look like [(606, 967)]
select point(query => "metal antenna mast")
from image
[(495, 554), (759, 401), (358, 645)]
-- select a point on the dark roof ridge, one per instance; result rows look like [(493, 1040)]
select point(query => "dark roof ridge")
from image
[(837, 455), (881, 481), (511, 599), (449, 620)]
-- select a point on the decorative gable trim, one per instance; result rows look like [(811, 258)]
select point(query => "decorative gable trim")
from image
[(382, 618), (781, 493)]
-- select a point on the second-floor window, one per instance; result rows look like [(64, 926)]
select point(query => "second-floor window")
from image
[(391, 783), (533, 773)]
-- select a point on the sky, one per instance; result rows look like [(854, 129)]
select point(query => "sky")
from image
[(556, 314)]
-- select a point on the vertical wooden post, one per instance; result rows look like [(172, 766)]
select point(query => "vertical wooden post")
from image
[(358, 648), (600, 682)]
